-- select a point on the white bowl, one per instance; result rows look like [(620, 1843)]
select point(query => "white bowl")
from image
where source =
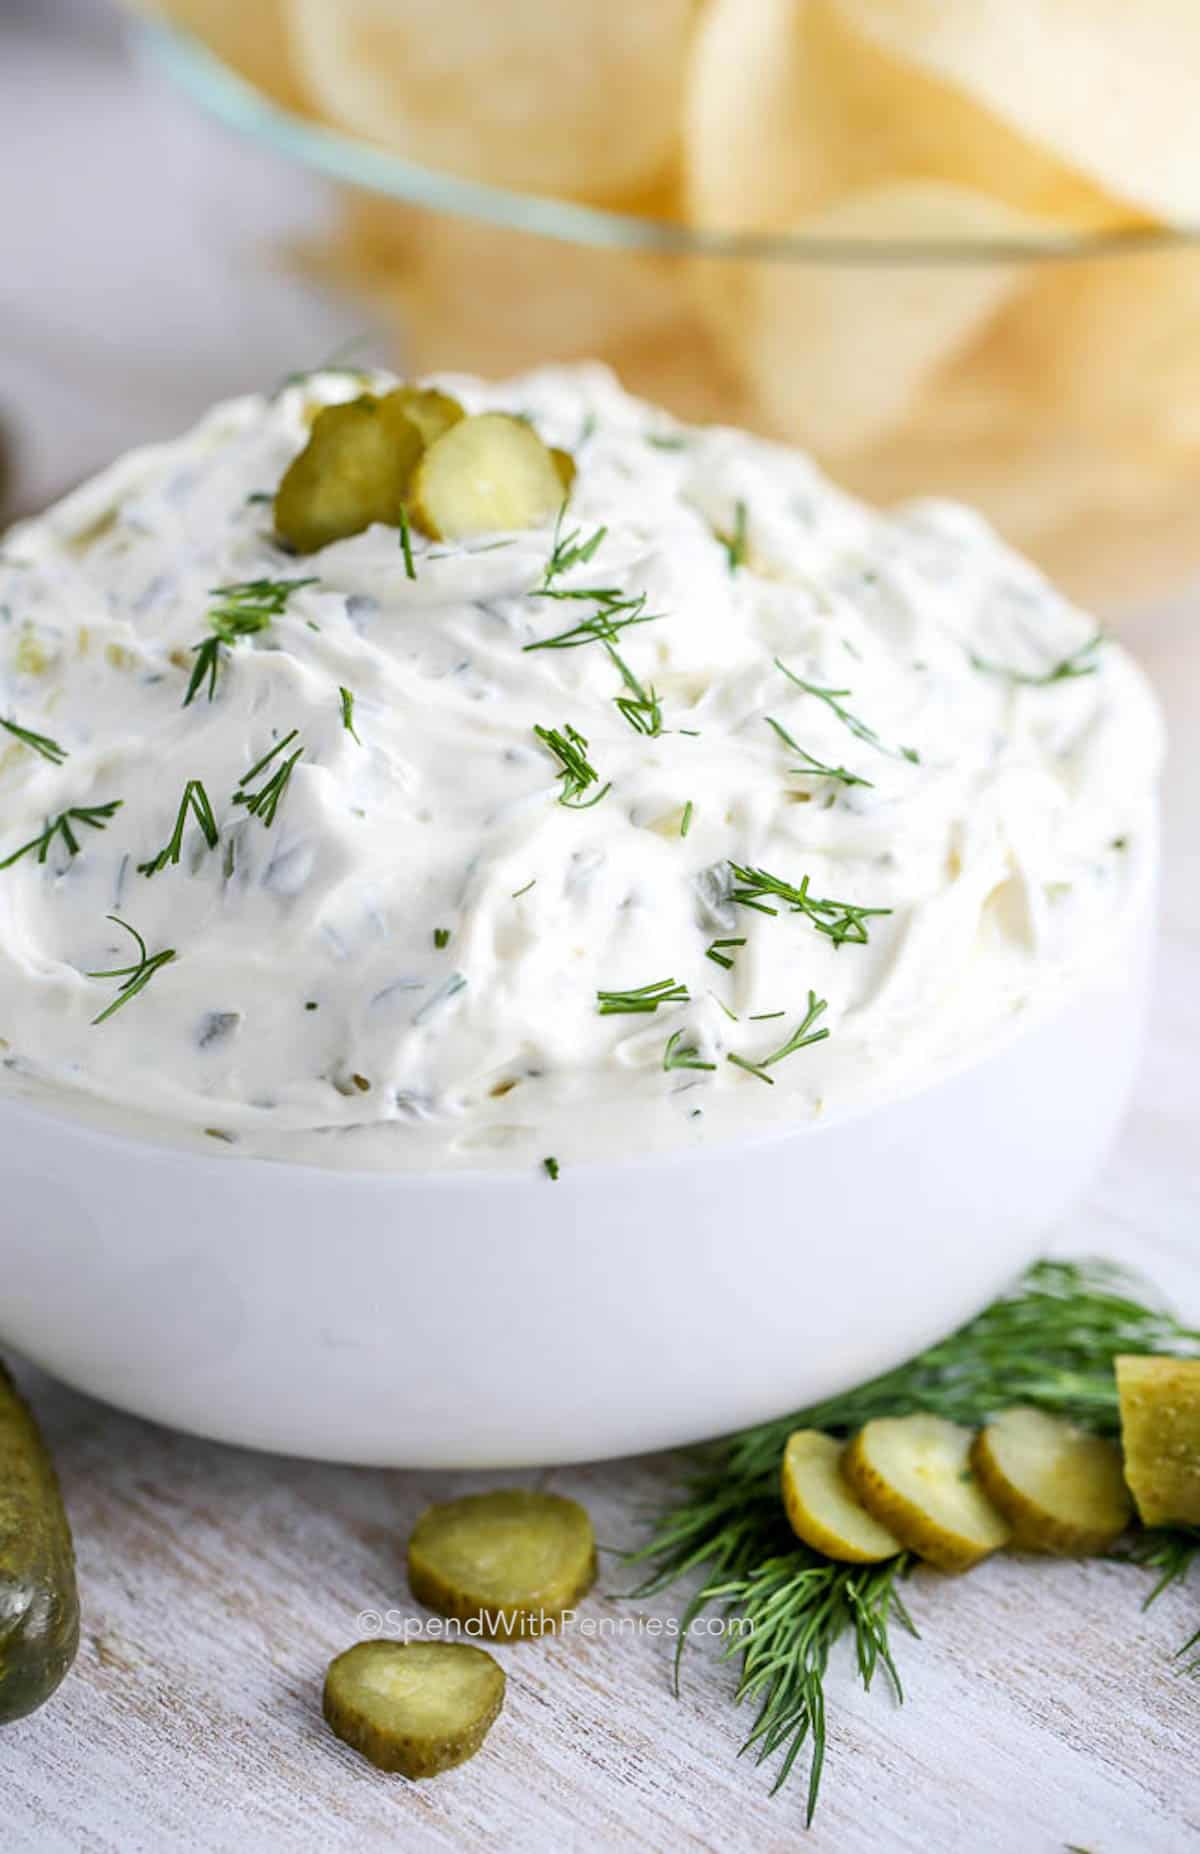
[(474, 1319)]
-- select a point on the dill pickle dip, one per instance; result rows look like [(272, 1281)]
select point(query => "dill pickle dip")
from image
[(713, 804)]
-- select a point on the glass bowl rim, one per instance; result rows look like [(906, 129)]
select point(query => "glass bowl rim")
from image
[(235, 101)]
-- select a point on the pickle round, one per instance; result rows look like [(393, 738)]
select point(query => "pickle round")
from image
[(913, 1474), (489, 474), (354, 471), (509, 1564), (418, 1708), (1061, 1489), (430, 411), (820, 1507)]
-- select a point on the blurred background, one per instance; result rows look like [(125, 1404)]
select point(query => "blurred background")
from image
[(947, 248)]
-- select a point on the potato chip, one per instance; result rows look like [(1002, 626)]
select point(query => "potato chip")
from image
[(248, 35), (580, 99), (495, 301), (1112, 87), (788, 110), (835, 354)]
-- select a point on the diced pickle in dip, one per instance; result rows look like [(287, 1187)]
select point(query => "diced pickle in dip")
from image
[(485, 475), (354, 471)]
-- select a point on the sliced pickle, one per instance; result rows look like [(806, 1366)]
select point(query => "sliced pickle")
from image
[(1060, 1488), (820, 1507), (564, 464), (415, 1707), (486, 475), (354, 470), (509, 1562), (430, 411), (913, 1474), (1160, 1431)]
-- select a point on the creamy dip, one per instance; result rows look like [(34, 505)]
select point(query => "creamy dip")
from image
[(931, 769)]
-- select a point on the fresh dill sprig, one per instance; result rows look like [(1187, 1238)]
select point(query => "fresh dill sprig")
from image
[(1080, 662), (264, 803), (840, 921), (1051, 1342), (832, 699), (815, 767), (244, 608), (95, 816), (569, 550), (643, 998), (410, 565), (719, 958), (136, 977), (575, 769), (685, 822), (195, 801), (681, 1055), (40, 743), (801, 1037), (347, 699)]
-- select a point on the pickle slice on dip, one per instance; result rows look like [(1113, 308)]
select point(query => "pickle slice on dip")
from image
[(485, 475), (509, 1562), (1160, 1431), (1060, 1489), (354, 471), (425, 407), (913, 1474), (414, 1707), (820, 1507)]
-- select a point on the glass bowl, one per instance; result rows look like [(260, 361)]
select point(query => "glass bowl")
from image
[(1053, 381)]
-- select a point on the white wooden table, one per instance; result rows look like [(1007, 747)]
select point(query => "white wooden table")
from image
[(1042, 1709)]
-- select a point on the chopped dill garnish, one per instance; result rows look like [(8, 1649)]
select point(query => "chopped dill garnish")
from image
[(1080, 662), (453, 985), (832, 701), (518, 892), (40, 743), (575, 769), (244, 609), (614, 613), (681, 1055), (685, 823), (1050, 1342), (719, 958), (265, 802), (347, 698), (840, 921), (736, 545), (550, 1167), (800, 1038), (569, 550), (814, 767), (195, 801), (136, 977), (665, 440), (643, 998), (95, 816), (763, 1017), (410, 569), (441, 937)]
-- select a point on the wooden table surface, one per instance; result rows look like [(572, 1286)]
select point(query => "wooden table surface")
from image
[(1042, 1709)]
